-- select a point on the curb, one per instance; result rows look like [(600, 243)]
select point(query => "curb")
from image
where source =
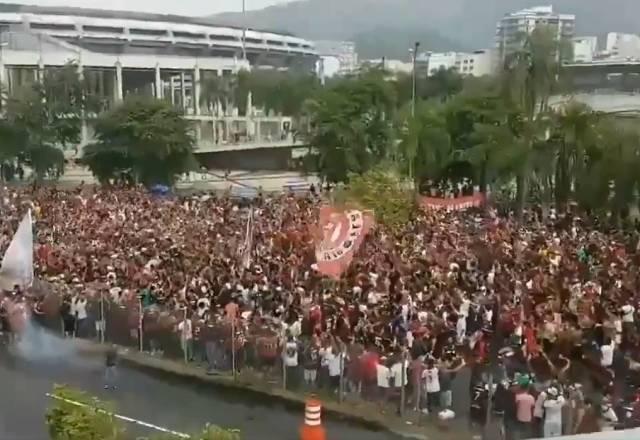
[(363, 417)]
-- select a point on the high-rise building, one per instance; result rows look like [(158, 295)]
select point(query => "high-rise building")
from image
[(476, 63), (513, 26), (623, 46), (342, 53), (584, 49)]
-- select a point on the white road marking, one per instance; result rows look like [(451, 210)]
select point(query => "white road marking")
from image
[(121, 417)]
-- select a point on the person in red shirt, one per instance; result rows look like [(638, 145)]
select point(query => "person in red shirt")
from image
[(369, 362)]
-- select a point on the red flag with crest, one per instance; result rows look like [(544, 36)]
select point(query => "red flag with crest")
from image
[(341, 232)]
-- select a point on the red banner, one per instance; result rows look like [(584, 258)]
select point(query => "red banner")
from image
[(341, 234), (456, 204)]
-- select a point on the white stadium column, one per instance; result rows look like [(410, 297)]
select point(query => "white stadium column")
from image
[(183, 92), (119, 95), (158, 84), (3, 76), (196, 89)]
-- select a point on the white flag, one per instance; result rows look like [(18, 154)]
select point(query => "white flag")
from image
[(247, 247), (17, 264)]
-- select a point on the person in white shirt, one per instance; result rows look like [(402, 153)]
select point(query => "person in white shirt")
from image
[(383, 374), (185, 328), (290, 359), (398, 373), (606, 353), (79, 311), (461, 328), (538, 408), (628, 312), (431, 378), (334, 360), (553, 413)]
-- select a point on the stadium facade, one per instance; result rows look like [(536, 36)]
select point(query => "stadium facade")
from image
[(169, 57)]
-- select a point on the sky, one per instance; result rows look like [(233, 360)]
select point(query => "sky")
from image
[(182, 7)]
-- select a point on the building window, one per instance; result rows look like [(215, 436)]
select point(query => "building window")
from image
[(103, 29), (188, 35), (53, 26), (153, 32), (223, 37)]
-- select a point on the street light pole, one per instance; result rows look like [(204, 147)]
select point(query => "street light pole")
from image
[(413, 98), (244, 30)]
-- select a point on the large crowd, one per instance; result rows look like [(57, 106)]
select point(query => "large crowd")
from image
[(544, 311)]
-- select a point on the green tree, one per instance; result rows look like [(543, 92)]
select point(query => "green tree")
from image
[(145, 136), (351, 125), (76, 415), (13, 142), (529, 77), (441, 84), (91, 420), (425, 147), (383, 191), (47, 116), (216, 90), (574, 131), (481, 126), (608, 184)]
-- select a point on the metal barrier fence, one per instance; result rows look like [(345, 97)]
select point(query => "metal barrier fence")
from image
[(253, 354)]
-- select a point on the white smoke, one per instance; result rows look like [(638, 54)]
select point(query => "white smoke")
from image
[(36, 344)]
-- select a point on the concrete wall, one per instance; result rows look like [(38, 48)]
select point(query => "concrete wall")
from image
[(603, 102)]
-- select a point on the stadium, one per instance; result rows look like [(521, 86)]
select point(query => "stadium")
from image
[(165, 56)]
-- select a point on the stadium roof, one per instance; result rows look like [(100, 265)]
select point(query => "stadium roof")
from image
[(124, 15)]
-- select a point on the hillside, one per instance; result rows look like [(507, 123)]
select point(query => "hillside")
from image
[(465, 23)]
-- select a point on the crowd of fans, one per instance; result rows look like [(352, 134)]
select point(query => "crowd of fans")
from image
[(543, 312)]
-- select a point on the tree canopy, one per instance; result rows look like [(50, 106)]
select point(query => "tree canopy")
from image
[(43, 118), (494, 131), (351, 125), (144, 137)]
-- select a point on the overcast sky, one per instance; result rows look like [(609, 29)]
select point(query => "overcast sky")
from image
[(183, 7)]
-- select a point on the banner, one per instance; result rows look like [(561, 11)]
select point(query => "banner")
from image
[(455, 204), (341, 234), (17, 264)]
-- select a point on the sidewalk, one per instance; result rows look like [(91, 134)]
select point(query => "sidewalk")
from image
[(249, 381)]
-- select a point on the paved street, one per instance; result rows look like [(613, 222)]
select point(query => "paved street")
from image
[(162, 402)]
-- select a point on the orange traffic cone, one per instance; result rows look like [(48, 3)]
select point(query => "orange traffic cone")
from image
[(312, 428)]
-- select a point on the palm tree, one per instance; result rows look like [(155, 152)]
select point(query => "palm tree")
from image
[(530, 75), (425, 148), (216, 90), (574, 132)]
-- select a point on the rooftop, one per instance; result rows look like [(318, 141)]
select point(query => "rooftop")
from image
[(538, 11), (111, 14)]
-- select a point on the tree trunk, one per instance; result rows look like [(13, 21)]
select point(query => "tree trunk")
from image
[(483, 178), (563, 181), (522, 192)]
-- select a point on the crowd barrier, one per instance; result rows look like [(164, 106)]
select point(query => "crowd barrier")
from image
[(245, 352)]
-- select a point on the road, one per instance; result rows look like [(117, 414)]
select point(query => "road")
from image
[(171, 404)]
